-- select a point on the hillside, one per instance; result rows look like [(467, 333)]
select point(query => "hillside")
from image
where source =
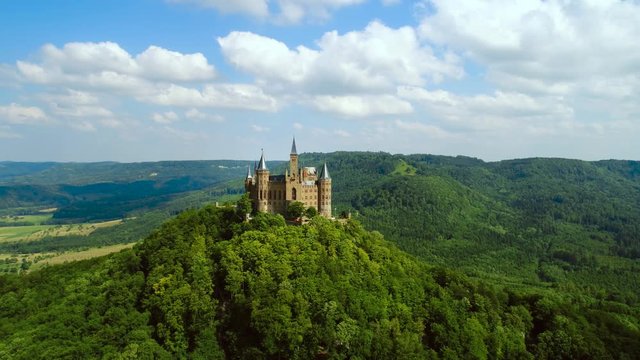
[(529, 222), (41, 202), (206, 285)]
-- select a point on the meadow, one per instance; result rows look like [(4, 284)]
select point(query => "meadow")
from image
[(32, 228)]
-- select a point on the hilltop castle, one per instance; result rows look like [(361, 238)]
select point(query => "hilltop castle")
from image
[(273, 193)]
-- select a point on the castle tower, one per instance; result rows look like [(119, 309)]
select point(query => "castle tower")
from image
[(324, 193), (248, 181), (262, 184), (293, 160)]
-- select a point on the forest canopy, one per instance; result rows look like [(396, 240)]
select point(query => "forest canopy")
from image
[(209, 285)]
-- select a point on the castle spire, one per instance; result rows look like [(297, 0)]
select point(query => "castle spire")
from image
[(249, 172), (263, 164), (324, 175), (294, 151)]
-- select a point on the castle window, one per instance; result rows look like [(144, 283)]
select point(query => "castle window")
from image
[(269, 194), (293, 194)]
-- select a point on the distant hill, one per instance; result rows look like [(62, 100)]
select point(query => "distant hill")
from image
[(50, 173), (528, 221), (107, 190)]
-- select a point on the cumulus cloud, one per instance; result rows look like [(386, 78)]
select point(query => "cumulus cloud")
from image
[(157, 76), (489, 112), (543, 46), (257, 8), (22, 115), (295, 11), (235, 96), (107, 64), (375, 59), (162, 64), (283, 11), (362, 106), (165, 118)]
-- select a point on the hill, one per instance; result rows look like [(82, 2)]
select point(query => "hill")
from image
[(207, 285), (528, 222)]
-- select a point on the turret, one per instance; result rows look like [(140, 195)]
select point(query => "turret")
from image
[(293, 160), (262, 184), (248, 181), (324, 192)]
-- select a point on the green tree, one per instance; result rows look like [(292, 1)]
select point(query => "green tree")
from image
[(295, 209), (311, 212), (244, 206)]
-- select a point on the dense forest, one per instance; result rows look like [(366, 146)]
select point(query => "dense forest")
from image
[(529, 258), (540, 222), (208, 285)]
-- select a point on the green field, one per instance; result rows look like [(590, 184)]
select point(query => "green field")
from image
[(25, 219), (38, 232), (21, 233)]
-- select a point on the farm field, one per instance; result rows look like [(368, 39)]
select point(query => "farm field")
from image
[(17, 220), (37, 232), (30, 262), (80, 255)]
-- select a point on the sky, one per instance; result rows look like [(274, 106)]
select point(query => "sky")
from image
[(148, 80)]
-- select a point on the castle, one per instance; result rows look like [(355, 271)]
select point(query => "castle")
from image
[(274, 193)]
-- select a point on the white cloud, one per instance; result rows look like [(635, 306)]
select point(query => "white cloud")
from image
[(235, 96), (257, 8), (157, 76), (295, 11), (84, 126), (489, 112), (375, 59), (298, 126), (288, 11), (362, 106), (22, 115), (551, 47), (159, 63), (72, 97), (112, 123), (197, 115), (259, 129), (165, 118), (107, 64)]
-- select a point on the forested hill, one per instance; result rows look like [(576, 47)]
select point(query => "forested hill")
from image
[(540, 222), (207, 285)]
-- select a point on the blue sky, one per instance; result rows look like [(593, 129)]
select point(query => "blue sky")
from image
[(212, 79)]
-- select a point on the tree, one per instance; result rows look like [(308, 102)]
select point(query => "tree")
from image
[(311, 212), (243, 206), (295, 209)]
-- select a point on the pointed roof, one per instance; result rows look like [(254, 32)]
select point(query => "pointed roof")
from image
[(262, 165), (325, 173), (249, 172), (294, 151)]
